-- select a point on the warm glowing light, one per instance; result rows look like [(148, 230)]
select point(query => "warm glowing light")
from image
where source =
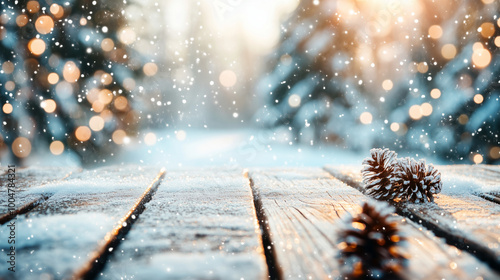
[(426, 109), (477, 158), (121, 103), (36, 46), (394, 126), (83, 133), (33, 7), (71, 72), (495, 152), (83, 21), (488, 1), (387, 85), (44, 24), (449, 51), (8, 67), (294, 100), (435, 31), (56, 148), (487, 29), (366, 118), (150, 139), (106, 79), (7, 108), (497, 41), (180, 135), (435, 93), (478, 98), (56, 10), (49, 105), (227, 78), (463, 119), (119, 136), (107, 45), (53, 78), (96, 123), (105, 96), (21, 20), (98, 106), (10, 86), (422, 67), (126, 35), (415, 112), (21, 147), (481, 58), (150, 69)]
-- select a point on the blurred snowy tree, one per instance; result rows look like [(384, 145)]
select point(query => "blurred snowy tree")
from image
[(416, 75), (67, 77)]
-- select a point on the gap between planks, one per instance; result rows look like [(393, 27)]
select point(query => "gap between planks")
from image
[(113, 238), (454, 238)]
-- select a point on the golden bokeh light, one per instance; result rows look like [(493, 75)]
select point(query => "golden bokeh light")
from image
[(56, 10), (10, 85), (463, 119), (22, 20), (435, 93), (36, 46), (44, 24), (53, 78), (49, 105), (415, 112), (422, 67), (83, 21), (497, 41), (106, 79), (150, 139), (477, 158), (435, 31), (126, 35), (495, 152), (83, 133), (107, 45), (21, 147), (487, 29), (366, 118), (294, 100), (150, 69), (119, 136), (96, 123), (394, 126), (121, 103), (8, 67), (105, 96), (7, 108), (98, 106), (71, 72), (426, 109), (387, 85), (488, 1), (478, 98), (33, 7), (56, 147), (481, 58), (227, 78), (449, 51)]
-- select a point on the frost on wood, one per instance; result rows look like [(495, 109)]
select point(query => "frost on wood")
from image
[(369, 244), (378, 172), (415, 181)]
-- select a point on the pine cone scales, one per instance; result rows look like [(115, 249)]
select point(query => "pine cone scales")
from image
[(378, 172), (415, 181), (369, 244)]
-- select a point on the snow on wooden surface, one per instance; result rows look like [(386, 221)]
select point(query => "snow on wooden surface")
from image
[(200, 224), (27, 178), (58, 236), (303, 207), (458, 213)]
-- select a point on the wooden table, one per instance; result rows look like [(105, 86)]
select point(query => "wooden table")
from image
[(131, 222)]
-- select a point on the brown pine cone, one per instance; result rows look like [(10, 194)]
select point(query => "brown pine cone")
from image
[(369, 244), (378, 172), (416, 182)]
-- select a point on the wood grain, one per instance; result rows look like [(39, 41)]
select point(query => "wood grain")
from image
[(60, 235), (201, 224), (303, 208), (464, 219)]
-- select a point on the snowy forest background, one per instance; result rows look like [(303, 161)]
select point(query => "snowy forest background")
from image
[(93, 82)]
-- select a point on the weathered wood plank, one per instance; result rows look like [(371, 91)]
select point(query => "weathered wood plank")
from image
[(200, 224), (26, 178), (464, 219), (303, 207), (60, 235)]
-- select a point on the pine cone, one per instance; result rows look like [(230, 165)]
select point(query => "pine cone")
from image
[(415, 181), (369, 244), (378, 172)]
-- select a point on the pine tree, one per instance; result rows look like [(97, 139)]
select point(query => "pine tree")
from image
[(67, 74), (400, 74)]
